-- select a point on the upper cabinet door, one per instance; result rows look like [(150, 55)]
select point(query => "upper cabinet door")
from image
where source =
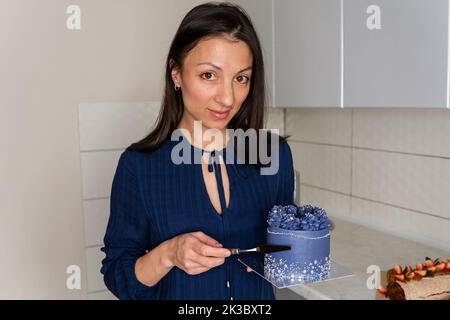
[(395, 53), (261, 14), (307, 46)]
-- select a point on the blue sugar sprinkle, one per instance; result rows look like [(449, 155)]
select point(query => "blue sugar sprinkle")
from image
[(304, 218)]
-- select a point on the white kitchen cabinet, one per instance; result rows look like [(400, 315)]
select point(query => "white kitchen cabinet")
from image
[(354, 53), (261, 14), (395, 53), (307, 53)]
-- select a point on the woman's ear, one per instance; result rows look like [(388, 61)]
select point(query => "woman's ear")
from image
[(175, 79), (175, 73)]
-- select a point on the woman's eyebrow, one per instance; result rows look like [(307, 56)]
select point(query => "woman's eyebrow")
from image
[(217, 67)]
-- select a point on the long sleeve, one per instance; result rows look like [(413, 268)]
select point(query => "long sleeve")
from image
[(286, 176), (126, 235)]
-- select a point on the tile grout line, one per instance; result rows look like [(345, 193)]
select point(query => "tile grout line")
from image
[(92, 246), (370, 149), (324, 189), (351, 162), (96, 198), (98, 291), (101, 150), (375, 201)]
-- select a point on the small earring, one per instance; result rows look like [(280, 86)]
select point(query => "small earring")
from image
[(176, 88)]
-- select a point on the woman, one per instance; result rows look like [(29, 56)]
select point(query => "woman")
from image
[(171, 224)]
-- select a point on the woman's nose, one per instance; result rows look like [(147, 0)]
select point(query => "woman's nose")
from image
[(225, 95)]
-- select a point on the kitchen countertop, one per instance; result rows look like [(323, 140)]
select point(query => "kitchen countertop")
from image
[(356, 247)]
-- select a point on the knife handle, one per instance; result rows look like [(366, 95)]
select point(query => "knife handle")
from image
[(235, 251)]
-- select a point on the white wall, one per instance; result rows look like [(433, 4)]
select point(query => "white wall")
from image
[(388, 169), (46, 71)]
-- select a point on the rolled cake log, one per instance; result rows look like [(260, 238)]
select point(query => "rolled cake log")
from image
[(429, 288)]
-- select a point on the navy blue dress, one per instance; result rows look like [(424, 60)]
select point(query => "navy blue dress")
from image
[(153, 199)]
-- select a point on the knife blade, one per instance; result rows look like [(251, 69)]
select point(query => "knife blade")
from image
[(265, 248)]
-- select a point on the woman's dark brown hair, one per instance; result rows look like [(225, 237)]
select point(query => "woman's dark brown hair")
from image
[(207, 20)]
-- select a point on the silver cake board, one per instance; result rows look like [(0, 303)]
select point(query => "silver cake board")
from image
[(255, 262)]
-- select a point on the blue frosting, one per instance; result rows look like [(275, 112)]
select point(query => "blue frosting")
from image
[(306, 230), (301, 218)]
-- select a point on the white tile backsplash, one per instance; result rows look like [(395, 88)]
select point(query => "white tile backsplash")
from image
[(115, 125), (384, 168), (336, 204), (418, 131), (275, 119), (96, 214), (98, 170), (94, 258), (323, 166), (404, 223), (322, 125), (408, 181), (101, 295)]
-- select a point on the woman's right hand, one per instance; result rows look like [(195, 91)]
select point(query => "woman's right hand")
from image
[(195, 252)]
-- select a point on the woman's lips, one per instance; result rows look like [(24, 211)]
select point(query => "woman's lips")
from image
[(219, 115)]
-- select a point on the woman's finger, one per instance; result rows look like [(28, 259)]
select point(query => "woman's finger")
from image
[(249, 269), (208, 262), (210, 251), (206, 239)]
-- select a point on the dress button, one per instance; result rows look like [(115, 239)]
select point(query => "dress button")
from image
[(228, 283), (231, 298)]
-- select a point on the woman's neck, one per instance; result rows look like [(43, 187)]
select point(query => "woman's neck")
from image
[(217, 139)]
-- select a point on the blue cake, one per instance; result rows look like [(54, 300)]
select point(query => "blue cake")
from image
[(307, 230)]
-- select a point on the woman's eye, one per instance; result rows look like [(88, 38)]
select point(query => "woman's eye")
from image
[(243, 79), (207, 75)]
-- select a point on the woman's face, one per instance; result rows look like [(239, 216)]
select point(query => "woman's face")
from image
[(214, 81)]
